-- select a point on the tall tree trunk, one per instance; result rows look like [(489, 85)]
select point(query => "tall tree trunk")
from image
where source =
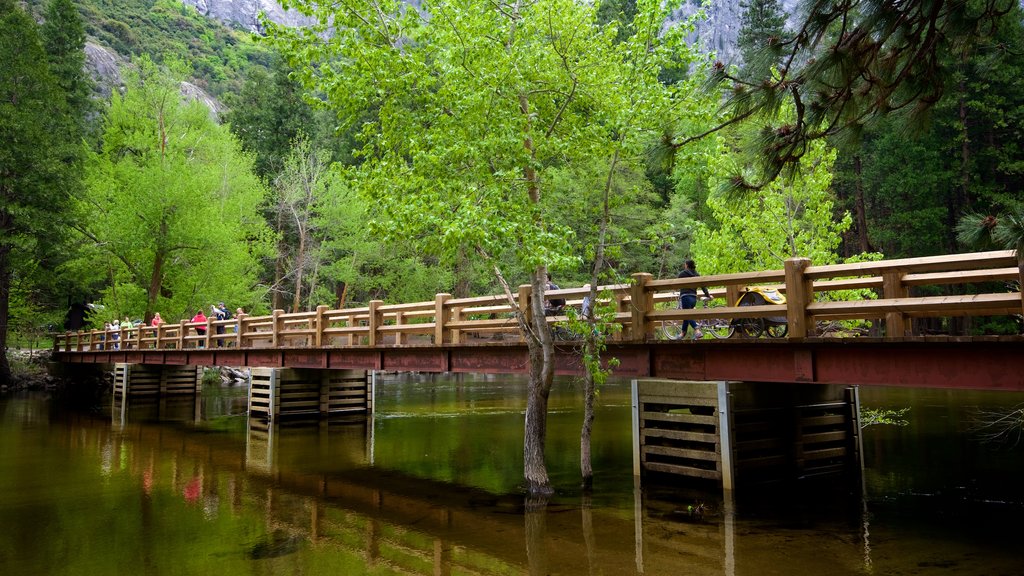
[(156, 278), (594, 339), (300, 265), (5, 303), (155, 281), (539, 342), (463, 274), (277, 297), (858, 206)]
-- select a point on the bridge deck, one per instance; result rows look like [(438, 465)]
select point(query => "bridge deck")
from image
[(986, 363), (481, 334)]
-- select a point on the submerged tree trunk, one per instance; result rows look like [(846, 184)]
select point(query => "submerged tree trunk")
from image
[(542, 351)]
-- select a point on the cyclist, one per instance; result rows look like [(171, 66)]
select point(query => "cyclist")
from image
[(554, 306), (688, 297)]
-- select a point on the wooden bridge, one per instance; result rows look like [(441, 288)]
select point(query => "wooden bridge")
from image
[(481, 334)]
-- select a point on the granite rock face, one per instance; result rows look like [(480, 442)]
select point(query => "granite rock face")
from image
[(245, 13)]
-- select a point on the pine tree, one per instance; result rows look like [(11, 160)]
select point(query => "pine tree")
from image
[(34, 172), (850, 63), (760, 38), (64, 40)]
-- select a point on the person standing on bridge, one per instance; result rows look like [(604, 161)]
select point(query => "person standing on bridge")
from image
[(200, 319), (220, 312), (688, 297)]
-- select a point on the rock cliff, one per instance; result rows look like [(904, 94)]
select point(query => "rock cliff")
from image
[(245, 13)]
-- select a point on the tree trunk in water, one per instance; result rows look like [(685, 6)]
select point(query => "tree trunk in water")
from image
[(5, 302), (586, 467), (542, 351), (858, 207)]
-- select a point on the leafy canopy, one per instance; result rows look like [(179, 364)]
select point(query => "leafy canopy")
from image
[(172, 210)]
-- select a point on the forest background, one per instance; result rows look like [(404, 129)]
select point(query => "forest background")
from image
[(140, 200)]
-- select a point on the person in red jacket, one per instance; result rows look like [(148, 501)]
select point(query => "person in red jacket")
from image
[(201, 319)]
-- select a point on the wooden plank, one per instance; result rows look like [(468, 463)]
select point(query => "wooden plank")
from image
[(968, 304), (704, 455), (683, 470), (678, 391), (694, 419), (824, 437), (760, 444), (996, 259), (824, 453), (961, 277), (678, 435), (678, 401), (837, 419)]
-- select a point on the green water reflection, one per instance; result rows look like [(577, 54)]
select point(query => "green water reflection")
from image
[(430, 486)]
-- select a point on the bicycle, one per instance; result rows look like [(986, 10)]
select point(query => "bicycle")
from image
[(717, 327)]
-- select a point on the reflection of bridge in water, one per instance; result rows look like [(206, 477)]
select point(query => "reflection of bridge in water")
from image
[(409, 525)]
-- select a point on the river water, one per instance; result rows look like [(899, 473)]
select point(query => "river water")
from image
[(431, 485)]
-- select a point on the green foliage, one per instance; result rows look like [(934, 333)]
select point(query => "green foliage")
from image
[(760, 230), (877, 416), (445, 159), (367, 267), (172, 209), (38, 164)]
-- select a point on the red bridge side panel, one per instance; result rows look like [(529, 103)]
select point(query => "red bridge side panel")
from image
[(305, 359), (267, 358), (490, 360), (354, 359), (415, 360)]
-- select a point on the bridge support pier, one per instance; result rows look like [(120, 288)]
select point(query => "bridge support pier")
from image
[(744, 433), (284, 392), (156, 380)]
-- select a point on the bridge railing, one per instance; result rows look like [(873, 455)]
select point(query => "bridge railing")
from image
[(893, 291)]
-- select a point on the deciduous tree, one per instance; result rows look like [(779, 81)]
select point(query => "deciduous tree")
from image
[(477, 102), (172, 210)]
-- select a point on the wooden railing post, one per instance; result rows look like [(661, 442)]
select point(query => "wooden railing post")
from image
[(239, 330), (209, 332), (892, 287), (642, 303), (319, 338), (376, 319), (401, 337), (182, 328), (525, 291), (275, 328), (441, 333), (799, 293)]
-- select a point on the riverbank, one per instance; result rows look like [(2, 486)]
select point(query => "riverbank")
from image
[(28, 371)]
